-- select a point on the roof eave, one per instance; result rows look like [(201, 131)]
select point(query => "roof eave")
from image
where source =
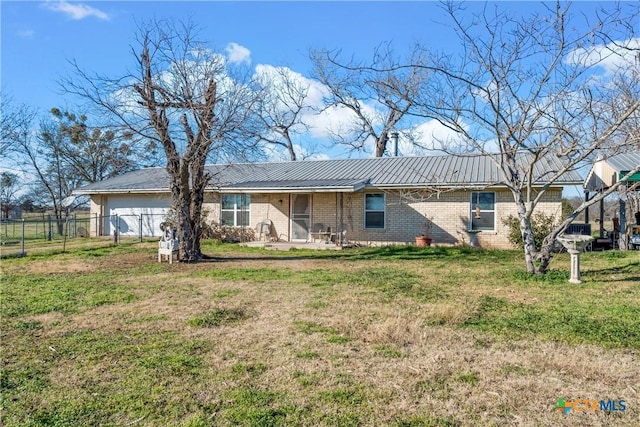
[(89, 192), (309, 189)]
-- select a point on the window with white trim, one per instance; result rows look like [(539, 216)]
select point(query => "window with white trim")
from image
[(235, 210), (483, 210), (374, 210)]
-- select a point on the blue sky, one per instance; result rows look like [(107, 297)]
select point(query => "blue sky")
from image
[(40, 37)]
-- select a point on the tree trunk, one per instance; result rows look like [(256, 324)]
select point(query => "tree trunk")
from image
[(60, 223), (189, 242), (529, 244), (544, 257), (292, 152), (381, 145), (200, 179)]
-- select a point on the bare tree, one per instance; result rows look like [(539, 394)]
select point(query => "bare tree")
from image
[(378, 95), (9, 186), (42, 156), (533, 88), (188, 99), (13, 120), (281, 109), (64, 152)]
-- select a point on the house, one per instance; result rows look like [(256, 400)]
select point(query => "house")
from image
[(11, 212), (604, 173), (374, 200)]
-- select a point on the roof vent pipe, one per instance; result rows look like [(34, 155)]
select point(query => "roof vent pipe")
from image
[(394, 137)]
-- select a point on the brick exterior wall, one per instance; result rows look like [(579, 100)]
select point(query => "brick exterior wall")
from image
[(449, 213), (211, 207), (404, 218), (274, 208)]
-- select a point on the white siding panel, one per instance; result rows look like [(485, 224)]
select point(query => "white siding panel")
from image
[(131, 209)]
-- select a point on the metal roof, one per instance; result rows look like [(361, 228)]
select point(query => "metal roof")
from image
[(148, 180), (296, 186), (624, 162), (342, 175), (607, 171)]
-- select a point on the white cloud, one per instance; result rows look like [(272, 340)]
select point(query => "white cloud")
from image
[(321, 123), (329, 122), (303, 152), (429, 136), (612, 57), (76, 11), (238, 54)]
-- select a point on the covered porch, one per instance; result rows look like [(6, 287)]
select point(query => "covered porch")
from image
[(625, 225), (307, 213)]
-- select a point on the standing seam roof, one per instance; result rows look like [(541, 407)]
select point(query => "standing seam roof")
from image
[(458, 170)]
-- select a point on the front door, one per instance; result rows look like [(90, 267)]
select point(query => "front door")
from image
[(300, 217)]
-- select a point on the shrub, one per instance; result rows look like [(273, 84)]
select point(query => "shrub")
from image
[(541, 225), (228, 234)]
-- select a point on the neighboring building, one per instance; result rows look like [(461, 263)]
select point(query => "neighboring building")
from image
[(606, 172), (10, 212), (376, 200)]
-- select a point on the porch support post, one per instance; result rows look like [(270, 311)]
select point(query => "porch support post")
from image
[(586, 210), (622, 243), (601, 218)]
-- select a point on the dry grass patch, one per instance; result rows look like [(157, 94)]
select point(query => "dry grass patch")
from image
[(397, 337)]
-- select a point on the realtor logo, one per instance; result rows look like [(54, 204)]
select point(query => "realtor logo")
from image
[(589, 405), (562, 406)]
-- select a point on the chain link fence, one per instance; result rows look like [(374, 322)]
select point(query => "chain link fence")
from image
[(19, 236)]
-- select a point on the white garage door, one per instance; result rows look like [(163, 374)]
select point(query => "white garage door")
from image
[(135, 211)]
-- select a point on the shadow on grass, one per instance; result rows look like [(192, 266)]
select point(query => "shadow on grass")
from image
[(612, 274), (465, 254)]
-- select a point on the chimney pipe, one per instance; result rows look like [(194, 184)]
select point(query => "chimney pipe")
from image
[(394, 137)]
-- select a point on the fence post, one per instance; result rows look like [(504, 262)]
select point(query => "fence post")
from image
[(116, 231), (140, 227), (75, 227), (50, 236), (22, 252)]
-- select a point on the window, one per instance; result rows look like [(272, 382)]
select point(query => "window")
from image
[(483, 211), (235, 210), (374, 211)]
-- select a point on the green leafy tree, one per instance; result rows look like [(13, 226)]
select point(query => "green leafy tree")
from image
[(65, 153), (94, 153)]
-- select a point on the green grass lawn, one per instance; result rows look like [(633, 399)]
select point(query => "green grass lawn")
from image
[(394, 336)]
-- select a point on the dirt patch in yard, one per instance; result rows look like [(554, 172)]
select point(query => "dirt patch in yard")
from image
[(54, 267)]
